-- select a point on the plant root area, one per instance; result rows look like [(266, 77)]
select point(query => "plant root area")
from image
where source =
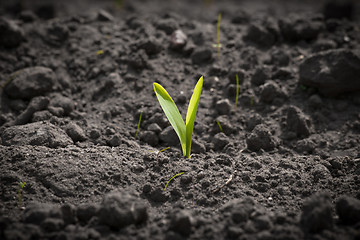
[(281, 163)]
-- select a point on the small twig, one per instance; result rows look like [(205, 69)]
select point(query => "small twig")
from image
[(222, 186)]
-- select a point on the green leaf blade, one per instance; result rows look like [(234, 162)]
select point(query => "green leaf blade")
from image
[(172, 113), (191, 114)]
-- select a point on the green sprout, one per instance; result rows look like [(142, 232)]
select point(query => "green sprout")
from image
[(172, 179), (217, 45), (99, 52), (252, 101), (183, 130), (193, 191), (138, 126), (218, 123), (160, 151), (21, 186), (237, 91)]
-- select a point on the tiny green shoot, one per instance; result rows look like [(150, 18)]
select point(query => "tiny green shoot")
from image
[(218, 123), (176, 175), (237, 91), (183, 130), (217, 45), (138, 126), (252, 101), (193, 191), (162, 150), (99, 52), (21, 186)]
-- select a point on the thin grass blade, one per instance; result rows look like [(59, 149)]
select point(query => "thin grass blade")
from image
[(191, 114), (172, 113)]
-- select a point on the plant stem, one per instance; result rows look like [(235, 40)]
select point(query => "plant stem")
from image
[(138, 126), (193, 191), (218, 123), (172, 179), (218, 35)]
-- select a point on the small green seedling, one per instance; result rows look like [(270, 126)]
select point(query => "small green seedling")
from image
[(193, 191), (138, 126), (176, 175), (218, 123), (21, 186), (99, 52), (217, 45), (162, 150), (237, 91), (252, 101), (183, 130)]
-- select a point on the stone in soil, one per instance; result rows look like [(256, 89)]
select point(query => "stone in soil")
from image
[(261, 138), (297, 123), (11, 34), (201, 55), (178, 40), (348, 209), (120, 209), (75, 132), (296, 27), (220, 140), (168, 136), (36, 134), (259, 35), (30, 82), (149, 137), (317, 213), (36, 104), (58, 100), (260, 75), (181, 222), (332, 72), (270, 91), (223, 106)]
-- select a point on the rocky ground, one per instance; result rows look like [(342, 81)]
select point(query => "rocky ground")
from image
[(76, 76)]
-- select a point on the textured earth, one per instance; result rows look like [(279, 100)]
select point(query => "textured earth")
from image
[(76, 77)]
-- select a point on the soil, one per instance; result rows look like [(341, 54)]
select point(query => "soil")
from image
[(77, 75)]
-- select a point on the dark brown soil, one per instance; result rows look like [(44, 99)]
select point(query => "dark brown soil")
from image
[(75, 77)]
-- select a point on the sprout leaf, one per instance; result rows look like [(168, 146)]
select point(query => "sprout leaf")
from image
[(172, 113), (183, 130)]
